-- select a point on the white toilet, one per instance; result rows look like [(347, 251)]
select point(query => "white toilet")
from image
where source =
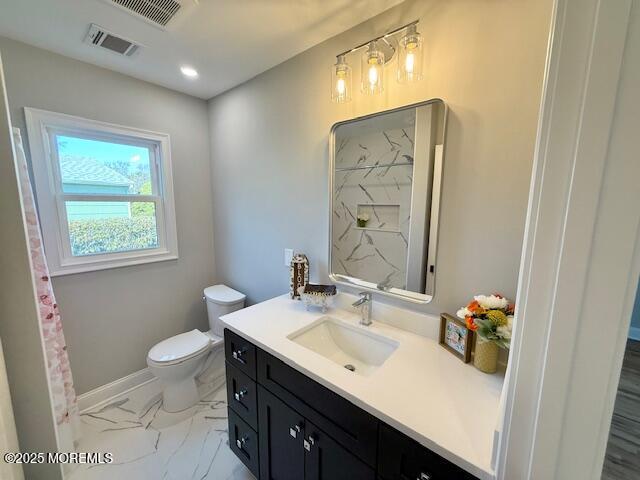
[(178, 360)]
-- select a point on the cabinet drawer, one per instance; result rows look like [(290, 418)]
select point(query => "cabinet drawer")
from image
[(240, 353), (242, 395), (348, 425), (243, 441), (402, 458)]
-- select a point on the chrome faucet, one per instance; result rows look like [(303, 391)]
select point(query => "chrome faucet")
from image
[(365, 302)]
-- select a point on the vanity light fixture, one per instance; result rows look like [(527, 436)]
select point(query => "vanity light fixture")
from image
[(341, 81), (379, 52), (410, 56), (189, 72)]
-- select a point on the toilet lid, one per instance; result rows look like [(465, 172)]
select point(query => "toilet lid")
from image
[(179, 347), (223, 295)]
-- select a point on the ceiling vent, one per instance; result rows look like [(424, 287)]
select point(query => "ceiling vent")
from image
[(156, 12), (99, 37)]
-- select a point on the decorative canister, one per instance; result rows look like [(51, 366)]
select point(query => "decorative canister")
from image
[(485, 355), (299, 274)]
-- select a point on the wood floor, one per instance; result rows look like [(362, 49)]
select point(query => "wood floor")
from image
[(622, 461)]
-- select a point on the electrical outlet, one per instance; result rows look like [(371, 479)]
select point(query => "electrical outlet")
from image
[(288, 256)]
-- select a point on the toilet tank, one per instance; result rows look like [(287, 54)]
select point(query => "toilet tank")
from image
[(220, 301)]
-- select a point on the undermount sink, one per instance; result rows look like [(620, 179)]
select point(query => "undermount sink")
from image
[(350, 346)]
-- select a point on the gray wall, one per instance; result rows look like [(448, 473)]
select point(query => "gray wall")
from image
[(269, 147), (19, 322), (112, 317)]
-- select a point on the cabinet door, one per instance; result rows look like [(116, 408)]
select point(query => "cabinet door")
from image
[(350, 426), (327, 460), (401, 458), (281, 431)]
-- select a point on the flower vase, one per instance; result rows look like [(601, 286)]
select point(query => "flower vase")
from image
[(486, 355), (362, 223)]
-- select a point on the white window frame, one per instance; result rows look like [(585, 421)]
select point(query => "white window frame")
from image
[(42, 126)]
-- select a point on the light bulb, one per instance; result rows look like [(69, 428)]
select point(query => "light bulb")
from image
[(340, 86), (409, 62), (373, 76)]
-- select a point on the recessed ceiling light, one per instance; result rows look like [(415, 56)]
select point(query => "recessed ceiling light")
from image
[(189, 72)]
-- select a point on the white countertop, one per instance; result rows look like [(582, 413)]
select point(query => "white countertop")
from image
[(421, 390)]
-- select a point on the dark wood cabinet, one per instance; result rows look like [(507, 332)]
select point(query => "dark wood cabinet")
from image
[(293, 448), (285, 426), (349, 425), (281, 433), (243, 441), (242, 395), (401, 458), (240, 353), (325, 459)]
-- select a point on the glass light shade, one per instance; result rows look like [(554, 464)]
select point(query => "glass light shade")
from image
[(410, 56), (372, 71), (341, 81)]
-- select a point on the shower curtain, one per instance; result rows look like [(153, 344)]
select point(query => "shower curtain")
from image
[(63, 397)]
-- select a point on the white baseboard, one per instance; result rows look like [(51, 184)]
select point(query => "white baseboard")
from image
[(634, 333), (101, 395)]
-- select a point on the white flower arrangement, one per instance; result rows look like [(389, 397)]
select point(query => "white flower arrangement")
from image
[(492, 302), (491, 316)]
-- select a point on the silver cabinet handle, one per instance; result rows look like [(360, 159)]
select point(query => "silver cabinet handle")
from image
[(241, 442), (239, 395), (309, 442), (237, 354), (295, 430), (424, 476)]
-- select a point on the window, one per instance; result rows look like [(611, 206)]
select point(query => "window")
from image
[(105, 193)]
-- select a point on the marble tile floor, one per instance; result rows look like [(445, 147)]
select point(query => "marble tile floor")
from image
[(148, 443)]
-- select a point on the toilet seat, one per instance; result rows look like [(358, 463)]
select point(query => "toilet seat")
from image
[(179, 348)]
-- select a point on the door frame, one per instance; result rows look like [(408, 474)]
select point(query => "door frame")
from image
[(557, 403)]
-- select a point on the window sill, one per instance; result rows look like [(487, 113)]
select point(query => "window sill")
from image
[(73, 268)]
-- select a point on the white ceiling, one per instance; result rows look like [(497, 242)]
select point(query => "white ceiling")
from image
[(227, 41)]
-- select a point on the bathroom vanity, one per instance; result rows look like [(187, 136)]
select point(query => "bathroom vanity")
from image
[(315, 396)]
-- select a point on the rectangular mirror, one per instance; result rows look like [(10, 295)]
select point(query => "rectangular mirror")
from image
[(385, 179)]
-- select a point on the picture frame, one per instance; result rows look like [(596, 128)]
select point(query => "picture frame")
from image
[(456, 337)]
